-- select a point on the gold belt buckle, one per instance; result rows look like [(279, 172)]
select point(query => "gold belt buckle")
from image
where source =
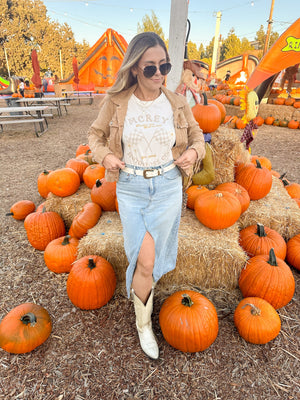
[(150, 170)]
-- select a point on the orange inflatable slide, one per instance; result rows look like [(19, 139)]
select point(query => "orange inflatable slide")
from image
[(98, 71)]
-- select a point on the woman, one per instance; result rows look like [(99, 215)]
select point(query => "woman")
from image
[(146, 138)]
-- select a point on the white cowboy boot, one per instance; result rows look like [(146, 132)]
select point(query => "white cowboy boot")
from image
[(144, 325)]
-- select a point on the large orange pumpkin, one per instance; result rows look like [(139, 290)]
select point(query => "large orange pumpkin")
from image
[(217, 210), (104, 194), (92, 173), (192, 193), (293, 252), (256, 320), (220, 106), (264, 161), (188, 321), (24, 328), (238, 191), (207, 115), (268, 277), (42, 183), (293, 189), (85, 220), (63, 182), (82, 148), (21, 209), (60, 254), (91, 282), (79, 165)]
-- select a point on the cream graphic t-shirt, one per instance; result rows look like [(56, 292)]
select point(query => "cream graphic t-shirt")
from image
[(149, 133)]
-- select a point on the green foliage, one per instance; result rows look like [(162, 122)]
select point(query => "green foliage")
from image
[(25, 26), (233, 46), (151, 24), (261, 37)]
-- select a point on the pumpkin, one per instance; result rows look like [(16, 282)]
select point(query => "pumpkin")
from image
[(91, 282), (217, 210), (268, 277), (220, 106), (297, 104), (279, 101), (240, 123), (63, 182), (207, 115), (79, 165), (293, 252), (269, 120), (87, 156), (43, 227), (104, 194), (60, 254), (24, 328), (188, 321), (192, 193), (264, 161), (238, 191), (92, 173), (293, 124), (276, 122), (85, 220), (283, 123), (289, 101), (258, 120), (256, 320), (82, 148), (258, 239), (293, 189), (42, 183), (21, 209), (257, 180)]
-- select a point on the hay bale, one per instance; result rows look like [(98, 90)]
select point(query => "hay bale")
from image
[(68, 207), (227, 149), (233, 110), (296, 114), (206, 258), (276, 111), (277, 211)]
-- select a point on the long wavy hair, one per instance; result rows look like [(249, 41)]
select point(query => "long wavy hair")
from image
[(135, 50)]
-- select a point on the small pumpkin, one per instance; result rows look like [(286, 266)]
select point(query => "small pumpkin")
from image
[(61, 253), (42, 183), (264, 161), (289, 101), (24, 328), (269, 120), (259, 239), (279, 101), (293, 189), (82, 148), (240, 123), (258, 120), (256, 320), (43, 227), (85, 220), (21, 209), (293, 252), (268, 277), (63, 182), (257, 180), (217, 210), (104, 194), (189, 321), (92, 173), (192, 193), (293, 124), (207, 115), (79, 165), (283, 123), (238, 191), (91, 282)]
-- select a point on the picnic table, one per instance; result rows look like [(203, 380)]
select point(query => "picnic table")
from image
[(52, 102), (24, 115), (79, 95)]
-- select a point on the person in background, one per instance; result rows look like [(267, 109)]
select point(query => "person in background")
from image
[(45, 84), (290, 76), (227, 76), (27, 84), (147, 139), (21, 87), (213, 82)]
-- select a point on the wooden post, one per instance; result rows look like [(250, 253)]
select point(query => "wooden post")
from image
[(216, 43), (177, 35), (270, 22)]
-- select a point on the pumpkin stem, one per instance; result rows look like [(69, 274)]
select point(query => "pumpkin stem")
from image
[(66, 240), (282, 175), (29, 318), (254, 310), (186, 301), (45, 172), (272, 258), (258, 164), (205, 98), (261, 230), (285, 182), (91, 263), (98, 183), (10, 213)]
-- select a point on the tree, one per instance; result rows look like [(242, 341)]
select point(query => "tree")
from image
[(25, 26), (232, 46), (151, 25), (261, 38)]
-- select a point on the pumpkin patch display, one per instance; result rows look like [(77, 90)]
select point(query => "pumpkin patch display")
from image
[(63, 182), (293, 252), (207, 115), (256, 320), (91, 282), (188, 321), (85, 220), (43, 227), (21, 209), (258, 239), (268, 277), (61, 253), (217, 210), (104, 194), (24, 328)]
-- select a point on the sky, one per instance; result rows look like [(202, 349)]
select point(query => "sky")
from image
[(89, 19)]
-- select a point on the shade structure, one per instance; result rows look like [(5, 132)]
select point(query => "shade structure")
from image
[(36, 78)]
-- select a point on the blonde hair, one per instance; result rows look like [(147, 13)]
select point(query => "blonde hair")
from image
[(135, 50)]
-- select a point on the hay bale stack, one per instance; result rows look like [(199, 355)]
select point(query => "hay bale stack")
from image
[(277, 211), (227, 149), (68, 207), (296, 114), (276, 111), (206, 258), (234, 110)]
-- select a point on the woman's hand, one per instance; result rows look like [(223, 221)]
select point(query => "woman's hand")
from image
[(187, 159), (112, 163)]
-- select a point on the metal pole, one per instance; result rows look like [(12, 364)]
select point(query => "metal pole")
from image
[(6, 62), (61, 68), (270, 22), (216, 43)]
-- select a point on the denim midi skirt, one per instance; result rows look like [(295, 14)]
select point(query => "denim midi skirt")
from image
[(150, 205)]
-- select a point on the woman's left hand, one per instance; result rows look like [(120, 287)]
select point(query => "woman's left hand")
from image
[(187, 159)]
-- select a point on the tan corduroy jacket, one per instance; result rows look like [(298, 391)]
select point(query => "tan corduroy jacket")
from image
[(105, 134)]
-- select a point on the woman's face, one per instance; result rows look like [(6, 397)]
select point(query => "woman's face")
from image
[(153, 56)]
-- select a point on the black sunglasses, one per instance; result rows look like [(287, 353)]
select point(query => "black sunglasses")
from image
[(150, 70)]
